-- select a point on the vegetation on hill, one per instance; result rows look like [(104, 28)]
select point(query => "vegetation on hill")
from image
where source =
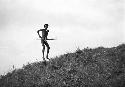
[(99, 67)]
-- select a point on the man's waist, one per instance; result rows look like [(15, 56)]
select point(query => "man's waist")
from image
[(43, 38)]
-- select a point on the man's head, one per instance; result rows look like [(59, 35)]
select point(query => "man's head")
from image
[(46, 26)]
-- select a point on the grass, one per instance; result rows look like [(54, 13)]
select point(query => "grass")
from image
[(99, 67)]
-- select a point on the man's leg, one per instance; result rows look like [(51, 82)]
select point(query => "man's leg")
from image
[(42, 42), (43, 51), (48, 48)]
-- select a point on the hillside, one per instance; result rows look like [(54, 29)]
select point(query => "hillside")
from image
[(98, 67)]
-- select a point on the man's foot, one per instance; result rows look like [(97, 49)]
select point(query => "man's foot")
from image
[(47, 58), (44, 59)]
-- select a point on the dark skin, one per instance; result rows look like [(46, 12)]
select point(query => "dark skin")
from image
[(44, 40)]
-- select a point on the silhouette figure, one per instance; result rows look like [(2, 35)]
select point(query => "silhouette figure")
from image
[(44, 40)]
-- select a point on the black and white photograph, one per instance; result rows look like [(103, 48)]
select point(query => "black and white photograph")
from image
[(62, 43)]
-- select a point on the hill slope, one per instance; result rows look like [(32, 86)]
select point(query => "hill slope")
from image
[(99, 67)]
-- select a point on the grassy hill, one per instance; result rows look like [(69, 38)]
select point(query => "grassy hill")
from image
[(99, 67)]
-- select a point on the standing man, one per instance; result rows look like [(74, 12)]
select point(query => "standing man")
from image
[(44, 40)]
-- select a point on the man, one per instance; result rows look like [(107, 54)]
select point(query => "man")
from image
[(44, 40)]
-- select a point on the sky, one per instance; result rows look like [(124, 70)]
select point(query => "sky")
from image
[(74, 23)]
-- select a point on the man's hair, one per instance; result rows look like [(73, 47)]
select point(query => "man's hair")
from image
[(46, 25)]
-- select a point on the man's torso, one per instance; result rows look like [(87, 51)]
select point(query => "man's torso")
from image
[(44, 34)]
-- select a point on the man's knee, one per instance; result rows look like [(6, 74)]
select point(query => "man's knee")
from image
[(48, 47), (43, 47)]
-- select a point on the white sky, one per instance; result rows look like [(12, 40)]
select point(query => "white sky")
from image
[(75, 23)]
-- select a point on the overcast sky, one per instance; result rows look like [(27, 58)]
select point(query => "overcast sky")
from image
[(74, 23)]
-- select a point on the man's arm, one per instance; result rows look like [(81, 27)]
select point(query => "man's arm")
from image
[(38, 32)]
